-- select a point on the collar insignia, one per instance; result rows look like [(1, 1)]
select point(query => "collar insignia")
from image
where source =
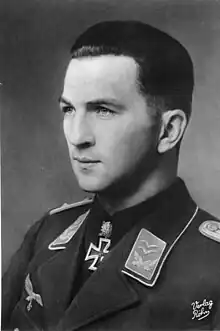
[(67, 235), (211, 229), (31, 295), (148, 255), (144, 257)]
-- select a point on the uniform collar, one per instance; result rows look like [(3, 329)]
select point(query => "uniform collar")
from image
[(176, 191), (169, 203)]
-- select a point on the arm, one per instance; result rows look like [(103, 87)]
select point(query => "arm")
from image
[(13, 279)]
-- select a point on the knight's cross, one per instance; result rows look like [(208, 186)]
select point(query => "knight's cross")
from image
[(97, 253)]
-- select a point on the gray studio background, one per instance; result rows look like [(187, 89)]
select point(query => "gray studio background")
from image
[(35, 38)]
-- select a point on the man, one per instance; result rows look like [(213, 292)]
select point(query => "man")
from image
[(141, 255)]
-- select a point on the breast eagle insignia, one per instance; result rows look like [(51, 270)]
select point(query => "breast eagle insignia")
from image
[(31, 295)]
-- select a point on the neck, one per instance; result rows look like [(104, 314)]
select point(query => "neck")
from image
[(155, 183)]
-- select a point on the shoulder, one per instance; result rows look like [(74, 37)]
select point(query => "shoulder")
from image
[(59, 219), (199, 248), (202, 237), (195, 259), (207, 227), (51, 225), (43, 231), (60, 216)]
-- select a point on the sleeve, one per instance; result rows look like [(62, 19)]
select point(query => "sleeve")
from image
[(13, 279)]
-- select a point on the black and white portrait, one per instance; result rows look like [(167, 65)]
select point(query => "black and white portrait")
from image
[(110, 117)]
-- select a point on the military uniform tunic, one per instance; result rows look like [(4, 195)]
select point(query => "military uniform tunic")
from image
[(161, 270)]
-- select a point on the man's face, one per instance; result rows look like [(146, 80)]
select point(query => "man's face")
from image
[(110, 131)]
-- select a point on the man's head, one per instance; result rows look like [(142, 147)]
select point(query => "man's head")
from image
[(165, 69), (127, 99)]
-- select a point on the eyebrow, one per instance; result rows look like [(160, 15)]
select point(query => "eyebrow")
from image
[(96, 102), (107, 102), (64, 100)]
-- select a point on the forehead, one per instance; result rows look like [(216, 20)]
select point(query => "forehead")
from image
[(106, 73)]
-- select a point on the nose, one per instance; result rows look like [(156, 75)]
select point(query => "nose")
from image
[(78, 130)]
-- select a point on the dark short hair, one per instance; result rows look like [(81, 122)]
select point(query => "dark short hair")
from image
[(165, 67)]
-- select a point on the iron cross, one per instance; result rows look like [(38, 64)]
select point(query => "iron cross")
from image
[(97, 253)]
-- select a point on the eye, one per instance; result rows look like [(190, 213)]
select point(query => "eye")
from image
[(66, 109), (104, 112)]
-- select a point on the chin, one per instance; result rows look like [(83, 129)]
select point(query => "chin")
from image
[(90, 186)]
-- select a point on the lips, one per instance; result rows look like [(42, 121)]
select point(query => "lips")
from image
[(85, 164), (83, 159)]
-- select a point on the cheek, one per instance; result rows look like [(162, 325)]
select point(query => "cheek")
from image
[(128, 142), (136, 146), (66, 128), (65, 131)]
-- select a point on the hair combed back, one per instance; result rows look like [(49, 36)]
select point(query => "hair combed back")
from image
[(165, 67)]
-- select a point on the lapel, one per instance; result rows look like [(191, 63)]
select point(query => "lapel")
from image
[(56, 277), (106, 291), (50, 276)]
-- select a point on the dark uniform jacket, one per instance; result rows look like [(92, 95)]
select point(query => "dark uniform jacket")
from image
[(163, 273)]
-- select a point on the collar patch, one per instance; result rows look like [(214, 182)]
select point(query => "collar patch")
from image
[(211, 229), (67, 234), (144, 257), (148, 255)]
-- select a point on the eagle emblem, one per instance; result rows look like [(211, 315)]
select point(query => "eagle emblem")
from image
[(146, 248), (31, 295), (140, 263)]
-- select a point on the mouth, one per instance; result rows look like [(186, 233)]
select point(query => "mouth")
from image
[(86, 164), (85, 160)]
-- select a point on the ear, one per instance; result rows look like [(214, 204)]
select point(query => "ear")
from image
[(173, 125)]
